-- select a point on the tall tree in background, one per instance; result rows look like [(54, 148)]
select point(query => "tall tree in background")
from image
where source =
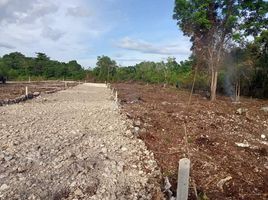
[(106, 67), (40, 63), (259, 54), (213, 25)]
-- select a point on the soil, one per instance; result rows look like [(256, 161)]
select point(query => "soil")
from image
[(208, 133), (12, 90)]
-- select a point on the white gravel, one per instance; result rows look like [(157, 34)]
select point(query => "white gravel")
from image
[(73, 144)]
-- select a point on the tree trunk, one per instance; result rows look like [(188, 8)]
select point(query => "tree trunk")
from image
[(237, 91), (213, 84)]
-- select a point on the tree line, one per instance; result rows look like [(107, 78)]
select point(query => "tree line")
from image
[(242, 71), (16, 66)]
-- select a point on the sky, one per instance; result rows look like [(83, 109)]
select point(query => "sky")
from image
[(128, 31)]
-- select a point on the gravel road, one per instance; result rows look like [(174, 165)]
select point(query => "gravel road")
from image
[(73, 144)]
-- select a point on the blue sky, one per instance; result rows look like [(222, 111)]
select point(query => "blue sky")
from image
[(129, 31)]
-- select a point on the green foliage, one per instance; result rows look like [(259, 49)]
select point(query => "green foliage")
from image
[(106, 68), (16, 66), (248, 67), (169, 72), (213, 25), (258, 51)]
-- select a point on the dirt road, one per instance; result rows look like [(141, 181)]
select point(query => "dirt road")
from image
[(73, 144)]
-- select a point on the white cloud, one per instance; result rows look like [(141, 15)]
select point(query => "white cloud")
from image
[(78, 12), (80, 30), (64, 30), (150, 48), (27, 11)]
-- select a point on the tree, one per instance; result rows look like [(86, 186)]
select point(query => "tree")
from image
[(17, 66), (16, 62), (40, 64), (107, 68), (259, 54), (3, 68), (213, 24), (238, 74)]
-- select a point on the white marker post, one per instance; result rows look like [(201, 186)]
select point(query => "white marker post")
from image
[(116, 97), (26, 91), (183, 179)]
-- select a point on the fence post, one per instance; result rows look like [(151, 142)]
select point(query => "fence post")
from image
[(26, 91), (183, 179)]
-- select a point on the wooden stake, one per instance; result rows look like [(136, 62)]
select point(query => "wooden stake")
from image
[(183, 179)]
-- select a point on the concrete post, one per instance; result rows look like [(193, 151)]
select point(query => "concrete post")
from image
[(183, 179), (26, 91)]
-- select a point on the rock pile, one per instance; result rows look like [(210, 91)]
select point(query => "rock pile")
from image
[(19, 99)]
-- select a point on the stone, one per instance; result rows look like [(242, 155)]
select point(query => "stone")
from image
[(223, 181), (104, 150), (124, 149), (35, 94), (8, 158), (78, 192), (136, 129), (4, 187), (265, 109), (240, 111), (128, 132), (137, 123), (164, 103)]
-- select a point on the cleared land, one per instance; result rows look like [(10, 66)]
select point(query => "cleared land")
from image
[(13, 90), (73, 144), (220, 168)]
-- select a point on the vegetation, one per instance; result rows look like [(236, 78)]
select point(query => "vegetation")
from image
[(214, 25), (169, 72), (242, 71), (16, 66)]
